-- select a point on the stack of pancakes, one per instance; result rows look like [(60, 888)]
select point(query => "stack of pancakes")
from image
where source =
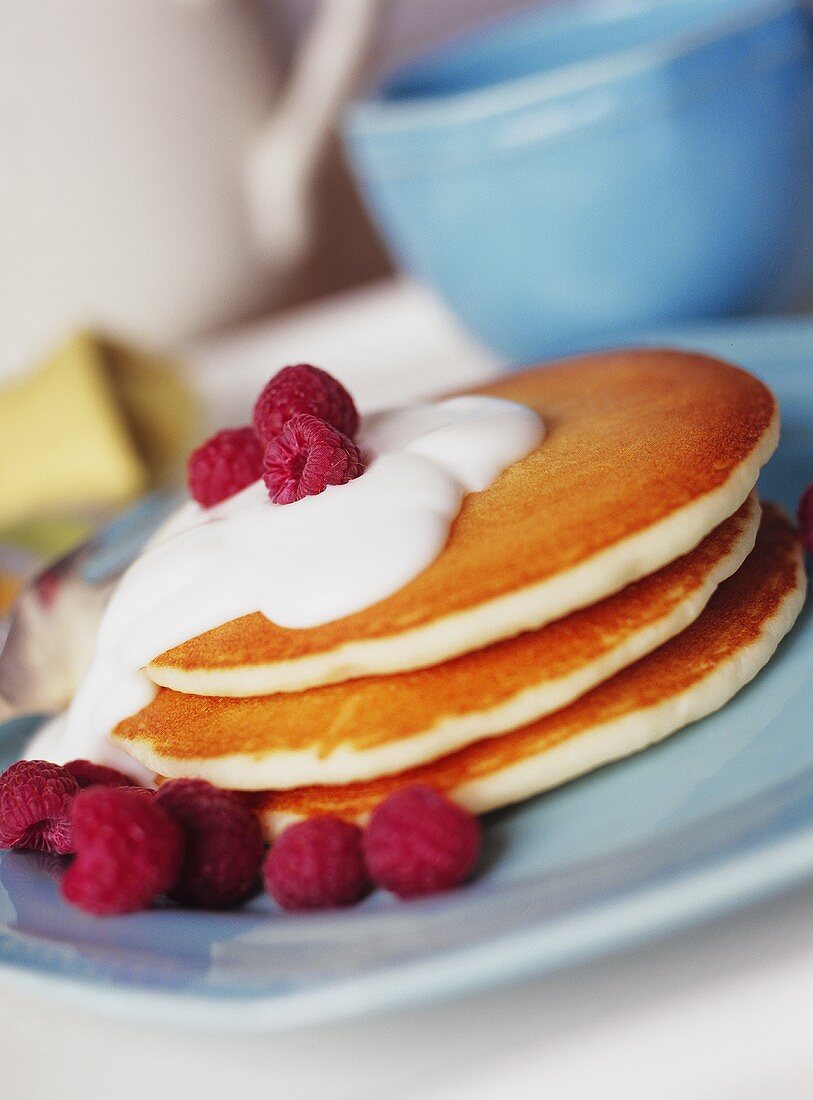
[(619, 582)]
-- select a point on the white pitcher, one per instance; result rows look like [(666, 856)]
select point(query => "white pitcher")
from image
[(153, 170)]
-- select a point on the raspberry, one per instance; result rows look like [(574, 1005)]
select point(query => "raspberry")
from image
[(418, 842), (306, 457), (35, 806), (317, 864), (806, 518), (224, 464), (88, 774), (129, 851), (224, 844), (304, 389)]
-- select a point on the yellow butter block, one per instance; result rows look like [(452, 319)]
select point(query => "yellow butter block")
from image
[(63, 439), (91, 429)]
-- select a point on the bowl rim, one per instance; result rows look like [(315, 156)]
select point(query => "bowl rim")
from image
[(374, 113)]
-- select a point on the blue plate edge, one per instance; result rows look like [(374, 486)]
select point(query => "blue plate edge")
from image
[(719, 887)]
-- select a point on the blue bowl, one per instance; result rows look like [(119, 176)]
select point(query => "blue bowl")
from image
[(579, 171)]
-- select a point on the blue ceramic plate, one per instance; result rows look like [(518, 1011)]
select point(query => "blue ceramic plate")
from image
[(715, 817)]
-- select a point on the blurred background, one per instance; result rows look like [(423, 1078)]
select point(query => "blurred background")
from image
[(413, 195)]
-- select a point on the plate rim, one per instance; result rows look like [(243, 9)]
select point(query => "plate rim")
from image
[(715, 886)]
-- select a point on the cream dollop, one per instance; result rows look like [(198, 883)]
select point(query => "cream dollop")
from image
[(300, 564)]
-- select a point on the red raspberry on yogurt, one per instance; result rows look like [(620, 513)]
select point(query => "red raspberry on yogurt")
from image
[(306, 457), (304, 389)]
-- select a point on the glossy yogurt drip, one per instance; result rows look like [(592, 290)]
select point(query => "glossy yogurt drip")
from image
[(300, 564)]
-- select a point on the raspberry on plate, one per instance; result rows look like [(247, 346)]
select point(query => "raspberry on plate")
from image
[(88, 774), (129, 851), (317, 864), (35, 805), (224, 844), (224, 464), (304, 389), (419, 842), (306, 457), (806, 518)]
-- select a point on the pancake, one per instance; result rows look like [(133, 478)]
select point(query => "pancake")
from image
[(382, 724), (645, 452), (686, 679)]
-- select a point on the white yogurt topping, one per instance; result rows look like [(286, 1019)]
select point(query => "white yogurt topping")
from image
[(300, 564)]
